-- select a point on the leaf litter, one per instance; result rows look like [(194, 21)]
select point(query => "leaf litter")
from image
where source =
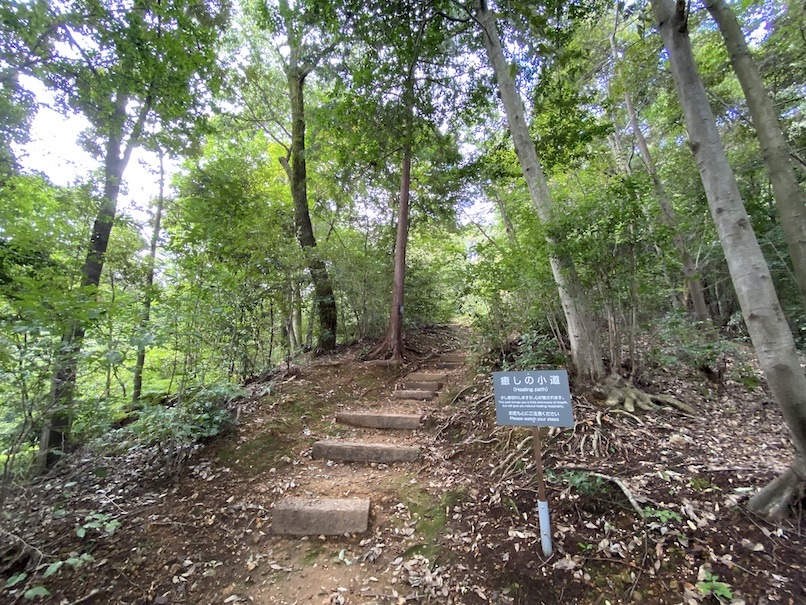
[(458, 527)]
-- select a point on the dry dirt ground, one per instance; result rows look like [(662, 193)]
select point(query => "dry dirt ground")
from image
[(646, 508)]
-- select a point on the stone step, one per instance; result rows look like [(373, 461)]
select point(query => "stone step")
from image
[(408, 385), (329, 517), (453, 358), (425, 377), (448, 365), (353, 451), (420, 395), (379, 421)]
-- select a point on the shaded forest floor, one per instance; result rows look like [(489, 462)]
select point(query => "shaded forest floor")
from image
[(458, 526)]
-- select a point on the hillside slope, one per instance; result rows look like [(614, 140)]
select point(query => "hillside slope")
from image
[(455, 526)]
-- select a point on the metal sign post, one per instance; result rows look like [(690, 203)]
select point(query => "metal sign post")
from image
[(535, 398)]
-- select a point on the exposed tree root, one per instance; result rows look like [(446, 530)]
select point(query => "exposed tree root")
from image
[(775, 499), (617, 392), (626, 490)]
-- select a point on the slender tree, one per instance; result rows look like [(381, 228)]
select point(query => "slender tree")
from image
[(149, 285), (668, 215), (789, 196), (769, 331), (148, 62), (585, 349), (306, 32)]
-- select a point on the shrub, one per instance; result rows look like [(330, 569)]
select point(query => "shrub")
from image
[(202, 413)]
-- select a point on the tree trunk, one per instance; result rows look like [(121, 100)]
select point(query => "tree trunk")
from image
[(324, 299), (789, 196), (296, 313), (56, 429), (393, 341), (669, 218), (508, 226), (749, 273), (585, 350), (689, 267), (152, 257)]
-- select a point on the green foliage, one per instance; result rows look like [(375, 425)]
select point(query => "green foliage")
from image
[(536, 350), (99, 521), (202, 413), (16, 579), (712, 586), (586, 484), (662, 515), (75, 561), (676, 339), (434, 276), (36, 591)]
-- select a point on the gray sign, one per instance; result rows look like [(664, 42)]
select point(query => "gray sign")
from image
[(533, 398)]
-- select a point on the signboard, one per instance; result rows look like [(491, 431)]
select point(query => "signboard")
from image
[(533, 398)]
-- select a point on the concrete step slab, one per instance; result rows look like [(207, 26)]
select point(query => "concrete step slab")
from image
[(357, 451), (425, 377), (409, 385), (419, 395), (329, 517), (379, 421), (453, 358), (448, 365)]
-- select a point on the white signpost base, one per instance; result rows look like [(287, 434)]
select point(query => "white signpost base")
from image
[(545, 527)]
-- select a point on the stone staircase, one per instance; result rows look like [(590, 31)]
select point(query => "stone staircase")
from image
[(337, 516)]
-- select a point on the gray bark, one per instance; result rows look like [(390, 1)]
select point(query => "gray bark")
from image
[(582, 335), (749, 273), (152, 259), (789, 197), (668, 216)]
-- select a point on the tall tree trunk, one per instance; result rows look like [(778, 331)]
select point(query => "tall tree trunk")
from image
[(393, 341), (152, 258), (296, 313), (585, 350), (668, 216), (56, 428), (508, 226), (789, 196), (324, 299), (768, 329)]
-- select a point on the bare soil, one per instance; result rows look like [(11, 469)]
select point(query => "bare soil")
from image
[(458, 526)]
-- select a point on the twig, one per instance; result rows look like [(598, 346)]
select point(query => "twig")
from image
[(28, 546), (517, 452), (622, 561), (626, 413), (467, 388), (624, 489), (87, 597)]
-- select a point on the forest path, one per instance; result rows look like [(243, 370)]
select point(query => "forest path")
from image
[(331, 483), (456, 526)]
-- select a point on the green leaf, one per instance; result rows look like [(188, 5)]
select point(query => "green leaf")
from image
[(37, 591), (52, 568), (81, 532), (16, 579)]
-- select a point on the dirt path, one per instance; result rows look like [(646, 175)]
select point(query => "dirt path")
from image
[(457, 526)]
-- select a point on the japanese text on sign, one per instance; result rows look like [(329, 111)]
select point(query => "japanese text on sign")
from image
[(533, 398)]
